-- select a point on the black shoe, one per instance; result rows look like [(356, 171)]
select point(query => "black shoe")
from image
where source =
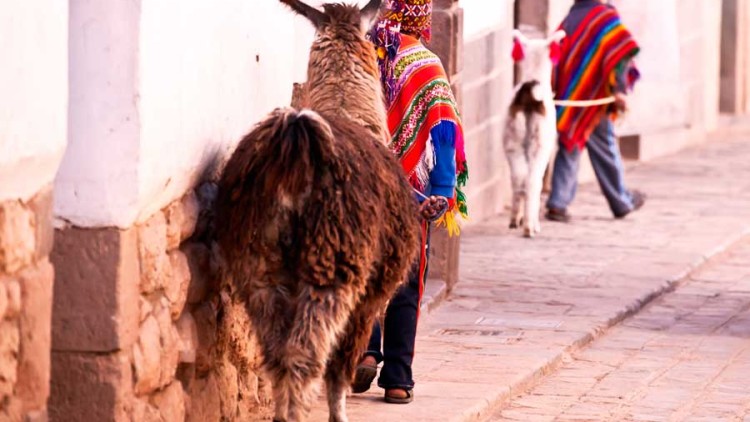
[(639, 199), (363, 377), (557, 214)]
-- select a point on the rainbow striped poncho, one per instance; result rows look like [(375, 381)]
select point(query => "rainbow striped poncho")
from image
[(591, 57), (420, 100)]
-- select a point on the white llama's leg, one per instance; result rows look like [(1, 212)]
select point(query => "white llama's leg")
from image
[(532, 226), (513, 141), (535, 178), (544, 137), (519, 170)]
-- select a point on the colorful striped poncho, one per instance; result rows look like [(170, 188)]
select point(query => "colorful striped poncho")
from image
[(421, 99), (591, 56)]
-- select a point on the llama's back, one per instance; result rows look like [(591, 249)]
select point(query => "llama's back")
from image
[(311, 201)]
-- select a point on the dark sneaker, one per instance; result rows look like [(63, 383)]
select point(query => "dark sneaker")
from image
[(363, 377), (557, 214), (639, 199)]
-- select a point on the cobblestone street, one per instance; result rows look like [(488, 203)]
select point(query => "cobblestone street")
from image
[(523, 307), (684, 358)]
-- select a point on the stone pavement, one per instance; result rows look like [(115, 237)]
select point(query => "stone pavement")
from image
[(686, 357), (523, 306)]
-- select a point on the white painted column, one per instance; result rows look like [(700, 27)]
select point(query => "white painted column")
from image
[(159, 90)]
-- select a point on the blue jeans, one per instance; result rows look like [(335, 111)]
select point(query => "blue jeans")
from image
[(399, 333), (607, 162)]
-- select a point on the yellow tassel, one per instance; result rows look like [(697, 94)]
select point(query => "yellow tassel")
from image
[(448, 220)]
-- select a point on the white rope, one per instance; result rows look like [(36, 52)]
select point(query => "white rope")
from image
[(585, 103), (420, 194)]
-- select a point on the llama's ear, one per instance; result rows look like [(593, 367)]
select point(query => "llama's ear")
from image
[(371, 11), (518, 53), (557, 37), (315, 16), (555, 50)]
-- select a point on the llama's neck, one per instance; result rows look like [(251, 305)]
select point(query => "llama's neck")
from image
[(342, 79), (539, 69)]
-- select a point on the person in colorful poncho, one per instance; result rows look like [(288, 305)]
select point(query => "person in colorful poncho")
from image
[(427, 137), (596, 63)]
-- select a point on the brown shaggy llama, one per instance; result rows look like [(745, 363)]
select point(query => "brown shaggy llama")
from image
[(315, 220)]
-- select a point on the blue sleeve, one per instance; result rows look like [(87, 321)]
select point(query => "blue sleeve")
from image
[(443, 175), (626, 74)]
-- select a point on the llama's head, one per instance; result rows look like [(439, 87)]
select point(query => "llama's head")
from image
[(536, 57), (338, 19), (342, 74)]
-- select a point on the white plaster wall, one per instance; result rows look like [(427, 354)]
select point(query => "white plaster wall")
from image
[(158, 88), (208, 74), (33, 94), (481, 16), (679, 61), (659, 100), (558, 9)]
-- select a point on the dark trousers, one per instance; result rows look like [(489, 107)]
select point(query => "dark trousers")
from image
[(607, 162), (399, 332)]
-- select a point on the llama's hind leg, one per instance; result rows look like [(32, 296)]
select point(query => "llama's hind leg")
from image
[(336, 387), (318, 325), (294, 387), (519, 173), (275, 364), (280, 400), (537, 150), (516, 217), (513, 143), (534, 198), (532, 226), (345, 357)]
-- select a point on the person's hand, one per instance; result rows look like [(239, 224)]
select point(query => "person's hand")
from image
[(433, 207), (621, 102)]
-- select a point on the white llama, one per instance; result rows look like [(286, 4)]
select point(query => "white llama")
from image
[(531, 127)]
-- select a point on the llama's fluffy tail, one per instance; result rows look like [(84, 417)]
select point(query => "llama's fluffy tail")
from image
[(295, 143), (302, 141), (274, 165)]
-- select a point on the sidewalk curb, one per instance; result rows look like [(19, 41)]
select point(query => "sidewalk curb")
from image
[(496, 399), (436, 291)]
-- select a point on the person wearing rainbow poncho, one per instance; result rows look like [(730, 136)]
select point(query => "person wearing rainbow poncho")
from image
[(595, 64), (427, 137)]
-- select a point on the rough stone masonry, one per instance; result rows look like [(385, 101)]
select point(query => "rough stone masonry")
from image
[(26, 280), (141, 329)]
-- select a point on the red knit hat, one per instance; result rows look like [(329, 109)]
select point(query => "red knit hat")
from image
[(414, 16)]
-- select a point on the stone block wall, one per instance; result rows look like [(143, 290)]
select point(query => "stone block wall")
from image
[(447, 43), (26, 282), (487, 84), (735, 53), (140, 343)]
